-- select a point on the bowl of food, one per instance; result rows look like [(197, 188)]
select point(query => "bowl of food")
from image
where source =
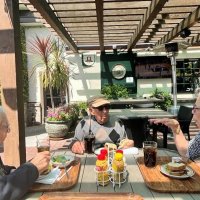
[(61, 161)]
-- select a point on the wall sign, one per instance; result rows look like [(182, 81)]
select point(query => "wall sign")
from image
[(118, 71), (88, 59)]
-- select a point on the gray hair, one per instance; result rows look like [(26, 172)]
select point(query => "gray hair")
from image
[(197, 92)]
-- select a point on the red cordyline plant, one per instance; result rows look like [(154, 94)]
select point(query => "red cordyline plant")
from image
[(50, 56)]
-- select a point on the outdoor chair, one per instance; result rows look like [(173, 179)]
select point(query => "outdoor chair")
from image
[(184, 118), (137, 129)]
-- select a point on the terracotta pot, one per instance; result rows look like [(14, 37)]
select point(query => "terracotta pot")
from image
[(57, 129)]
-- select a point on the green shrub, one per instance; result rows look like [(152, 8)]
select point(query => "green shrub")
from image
[(114, 91), (165, 96)]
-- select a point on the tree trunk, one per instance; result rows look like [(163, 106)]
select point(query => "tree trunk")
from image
[(51, 96)]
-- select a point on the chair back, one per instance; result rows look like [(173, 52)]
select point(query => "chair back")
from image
[(184, 118), (185, 114)]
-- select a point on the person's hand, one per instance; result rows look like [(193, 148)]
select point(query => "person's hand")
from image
[(78, 147), (126, 143), (41, 161), (171, 123)]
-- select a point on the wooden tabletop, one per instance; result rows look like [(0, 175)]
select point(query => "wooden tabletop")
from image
[(135, 183), (134, 101)]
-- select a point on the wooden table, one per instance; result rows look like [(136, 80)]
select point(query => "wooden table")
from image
[(132, 101), (141, 112), (86, 182)]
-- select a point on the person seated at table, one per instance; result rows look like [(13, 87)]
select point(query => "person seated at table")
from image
[(106, 128), (187, 149), (14, 183)]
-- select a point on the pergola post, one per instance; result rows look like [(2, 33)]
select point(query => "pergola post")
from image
[(11, 77)]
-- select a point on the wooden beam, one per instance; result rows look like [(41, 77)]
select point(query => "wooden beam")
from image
[(187, 22), (11, 77), (44, 9), (155, 7), (99, 10)]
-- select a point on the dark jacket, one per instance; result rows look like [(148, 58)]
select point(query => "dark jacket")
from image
[(15, 184)]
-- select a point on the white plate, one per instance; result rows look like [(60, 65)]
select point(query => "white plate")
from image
[(61, 163), (188, 174)]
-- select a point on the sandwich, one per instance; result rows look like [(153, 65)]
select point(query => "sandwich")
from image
[(110, 146), (123, 143), (176, 169)]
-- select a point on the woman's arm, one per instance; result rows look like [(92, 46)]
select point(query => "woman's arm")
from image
[(179, 138)]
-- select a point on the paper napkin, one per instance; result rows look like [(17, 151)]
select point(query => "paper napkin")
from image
[(132, 150), (50, 178)]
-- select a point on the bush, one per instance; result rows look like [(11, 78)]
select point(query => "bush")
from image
[(165, 96), (114, 91)]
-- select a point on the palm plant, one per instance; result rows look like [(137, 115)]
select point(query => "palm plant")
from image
[(55, 71)]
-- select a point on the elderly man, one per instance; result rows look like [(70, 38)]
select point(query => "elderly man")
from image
[(14, 183), (104, 127)]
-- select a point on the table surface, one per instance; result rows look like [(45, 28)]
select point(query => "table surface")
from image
[(134, 101), (86, 182), (141, 112)]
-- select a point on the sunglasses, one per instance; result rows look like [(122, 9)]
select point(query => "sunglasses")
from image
[(101, 108)]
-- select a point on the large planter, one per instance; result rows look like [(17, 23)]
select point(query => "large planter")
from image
[(57, 129)]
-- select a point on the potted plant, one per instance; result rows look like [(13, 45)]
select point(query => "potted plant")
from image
[(58, 121), (165, 96), (55, 73), (114, 91)]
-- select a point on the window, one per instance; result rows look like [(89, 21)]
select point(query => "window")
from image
[(187, 73)]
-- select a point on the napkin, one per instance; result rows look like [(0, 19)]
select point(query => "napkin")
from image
[(132, 150), (50, 178)]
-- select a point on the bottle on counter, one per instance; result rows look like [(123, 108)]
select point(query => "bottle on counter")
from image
[(118, 166), (102, 170)]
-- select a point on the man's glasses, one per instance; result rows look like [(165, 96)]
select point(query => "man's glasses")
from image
[(195, 108), (101, 108)]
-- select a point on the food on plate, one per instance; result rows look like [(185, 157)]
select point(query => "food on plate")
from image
[(176, 169), (123, 143), (110, 146), (60, 160), (48, 170)]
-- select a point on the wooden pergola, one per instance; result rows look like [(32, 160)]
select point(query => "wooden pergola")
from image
[(131, 25)]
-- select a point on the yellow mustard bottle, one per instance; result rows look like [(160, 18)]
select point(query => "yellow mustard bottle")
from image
[(118, 166), (102, 170)]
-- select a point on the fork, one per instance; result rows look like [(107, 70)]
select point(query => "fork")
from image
[(67, 168)]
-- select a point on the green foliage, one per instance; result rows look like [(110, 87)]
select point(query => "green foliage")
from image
[(115, 91), (24, 65), (63, 113), (51, 58), (165, 96)]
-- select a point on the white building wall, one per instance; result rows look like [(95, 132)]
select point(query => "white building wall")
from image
[(86, 81)]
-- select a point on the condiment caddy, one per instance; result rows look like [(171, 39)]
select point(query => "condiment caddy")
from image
[(110, 167)]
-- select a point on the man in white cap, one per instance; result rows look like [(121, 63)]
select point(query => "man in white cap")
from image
[(106, 129)]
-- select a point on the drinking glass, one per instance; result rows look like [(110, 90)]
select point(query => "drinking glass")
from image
[(150, 153), (43, 144)]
